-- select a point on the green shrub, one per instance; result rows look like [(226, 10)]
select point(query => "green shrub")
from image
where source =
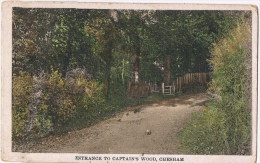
[(71, 99), (232, 78), (60, 102), (206, 133), (22, 88), (225, 127)]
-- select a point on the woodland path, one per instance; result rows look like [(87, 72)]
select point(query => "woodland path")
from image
[(125, 133)]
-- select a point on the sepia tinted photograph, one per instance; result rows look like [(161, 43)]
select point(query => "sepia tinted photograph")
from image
[(131, 81)]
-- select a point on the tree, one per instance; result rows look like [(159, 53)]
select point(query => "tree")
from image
[(32, 32), (103, 27)]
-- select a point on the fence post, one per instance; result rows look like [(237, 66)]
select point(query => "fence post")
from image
[(181, 78), (163, 88), (178, 84), (173, 87)]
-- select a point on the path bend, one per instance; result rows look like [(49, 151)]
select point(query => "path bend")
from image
[(125, 133)]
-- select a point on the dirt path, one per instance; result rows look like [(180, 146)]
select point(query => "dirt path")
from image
[(126, 132)]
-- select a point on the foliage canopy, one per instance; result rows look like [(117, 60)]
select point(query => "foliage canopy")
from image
[(74, 65)]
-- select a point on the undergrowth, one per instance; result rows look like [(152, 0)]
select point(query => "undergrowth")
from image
[(224, 125)]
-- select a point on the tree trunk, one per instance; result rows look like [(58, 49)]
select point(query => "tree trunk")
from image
[(136, 68), (167, 70), (107, 53), (67, 58), (107, 81), (123, 72), (136, 61)]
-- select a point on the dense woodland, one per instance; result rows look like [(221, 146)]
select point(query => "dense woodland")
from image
[(73, 67)]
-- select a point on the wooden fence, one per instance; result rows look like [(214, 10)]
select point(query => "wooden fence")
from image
[(185, 81)]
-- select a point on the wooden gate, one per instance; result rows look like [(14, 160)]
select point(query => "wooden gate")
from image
[(185, 81)]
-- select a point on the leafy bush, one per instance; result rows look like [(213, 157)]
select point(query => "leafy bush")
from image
[(206, 133), (224, 128), (48, 108), (60, 104), (22, 88)]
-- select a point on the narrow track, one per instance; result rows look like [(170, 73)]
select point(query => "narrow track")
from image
[(125, 133)]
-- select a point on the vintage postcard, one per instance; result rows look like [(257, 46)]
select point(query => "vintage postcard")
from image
[(128, 82)]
